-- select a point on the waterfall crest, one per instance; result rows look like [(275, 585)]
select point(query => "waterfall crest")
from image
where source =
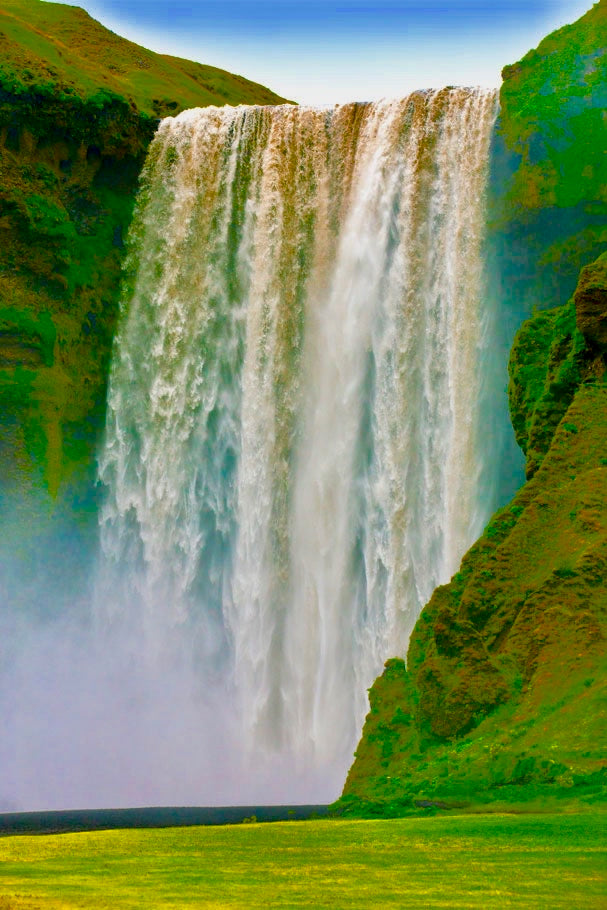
[(293, 455)]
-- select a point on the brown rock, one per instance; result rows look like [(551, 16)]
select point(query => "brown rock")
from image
[(591, 303)]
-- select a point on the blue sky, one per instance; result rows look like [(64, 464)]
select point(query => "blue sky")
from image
[(331, 51)]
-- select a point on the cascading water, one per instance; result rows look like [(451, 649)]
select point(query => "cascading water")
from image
[(293, 457)]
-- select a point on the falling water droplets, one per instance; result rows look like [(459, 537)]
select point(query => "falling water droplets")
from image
[(293, 453)]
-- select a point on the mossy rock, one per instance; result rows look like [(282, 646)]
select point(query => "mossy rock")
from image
[(550, 206), (553, 352), (503, 697), (591, 304)]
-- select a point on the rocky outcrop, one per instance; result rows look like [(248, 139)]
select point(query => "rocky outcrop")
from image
[(502, 698), (591, 305), (550, 209), (552, 353)]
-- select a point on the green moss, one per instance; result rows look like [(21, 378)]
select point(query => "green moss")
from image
[(546, 364), (28, 328), (47, 218), (549, 359)]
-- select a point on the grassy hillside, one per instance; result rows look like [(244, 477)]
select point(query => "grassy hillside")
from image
[(504, 696), (78, 108), (54, 48)]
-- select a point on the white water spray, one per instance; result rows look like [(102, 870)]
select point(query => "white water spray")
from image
[(293, 457)]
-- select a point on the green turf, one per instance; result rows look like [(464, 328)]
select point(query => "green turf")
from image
[(51, 48), (463, 861)]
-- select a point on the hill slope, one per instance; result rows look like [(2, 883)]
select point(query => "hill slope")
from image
[(50, 46), (78, 108)]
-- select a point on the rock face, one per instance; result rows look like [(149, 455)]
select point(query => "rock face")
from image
[(552, 169), (591, 304), (552, 353), (547, 360)]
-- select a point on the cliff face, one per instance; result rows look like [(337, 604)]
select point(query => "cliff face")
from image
[(502, 698), (78, 108), (550, 166)]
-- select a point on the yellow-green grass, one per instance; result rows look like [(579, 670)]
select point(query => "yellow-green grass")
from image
[(51, 44), (487, 861)]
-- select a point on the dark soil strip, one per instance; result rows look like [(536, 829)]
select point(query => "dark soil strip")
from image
[(102, 819)]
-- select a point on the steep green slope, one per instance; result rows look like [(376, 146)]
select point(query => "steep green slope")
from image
[(551, 167), (504, 696), (78, 108)]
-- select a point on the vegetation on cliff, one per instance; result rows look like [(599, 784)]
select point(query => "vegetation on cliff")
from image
[(78, 108), (503, 698), (550, 165), (546, 364)]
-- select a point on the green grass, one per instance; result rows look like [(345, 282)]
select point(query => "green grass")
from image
[(61, 50), (500, 861)]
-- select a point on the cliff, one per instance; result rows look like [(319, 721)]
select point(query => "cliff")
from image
[(501, 700), (550, 169), (78, 108), (503, 695)]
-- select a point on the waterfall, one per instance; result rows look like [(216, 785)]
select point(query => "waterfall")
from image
[(294, 455)]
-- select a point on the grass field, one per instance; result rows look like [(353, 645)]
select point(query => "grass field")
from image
[(539, 861)]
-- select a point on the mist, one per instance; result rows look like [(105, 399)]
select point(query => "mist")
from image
[(92, 720)]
